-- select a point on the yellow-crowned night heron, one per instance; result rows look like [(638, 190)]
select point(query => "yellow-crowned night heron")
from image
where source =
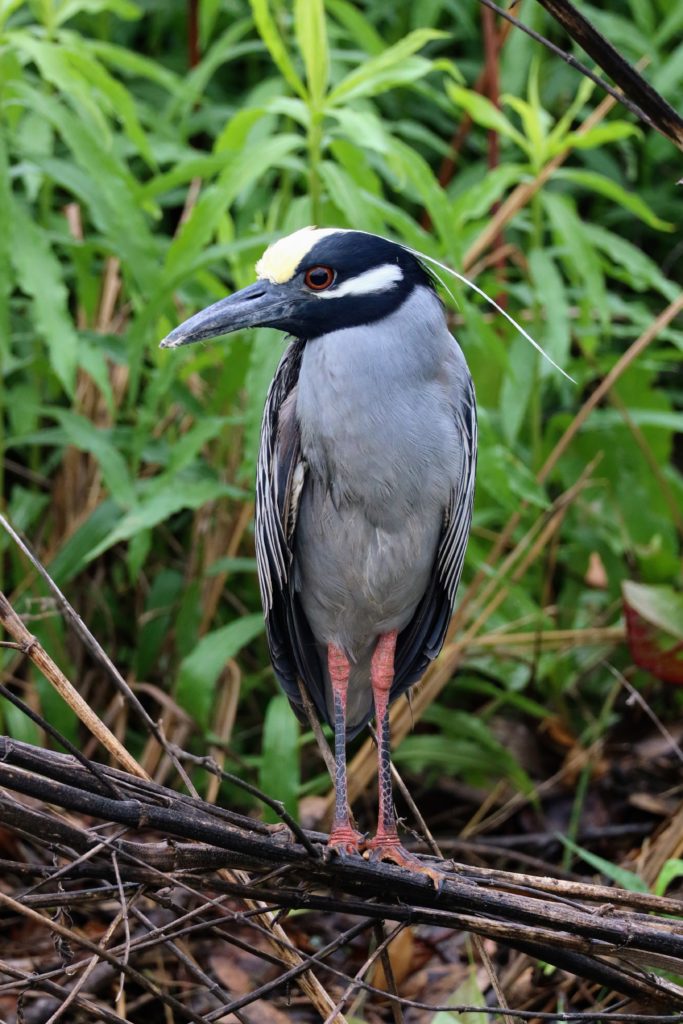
[(365, 483)]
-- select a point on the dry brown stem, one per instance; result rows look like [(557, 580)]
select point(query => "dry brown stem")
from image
[(31, 647)]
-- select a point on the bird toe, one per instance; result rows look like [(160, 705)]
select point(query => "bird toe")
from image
[(380, 849), (345, 841)]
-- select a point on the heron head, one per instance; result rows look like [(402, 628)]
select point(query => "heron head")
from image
[(312, 282)]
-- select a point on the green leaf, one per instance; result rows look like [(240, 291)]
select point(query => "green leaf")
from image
[(477, 199), (25, 507), (362, 127), (268, 31), (410, 168), (92, 359), (641, 271), (311, 34), (611, 131), (670, 26), (200, 165), (157, 620), (388, 69), (535, 122), (357, 25), (612, 190), (464, 744), (175, 495), (508, 479), (624, 878), (75, 552), (137, 65), (518, 386), (229, 47), (39, 274), (85, 436), (468, 993), (279, 774), (5, 261), (232, 565), (348, 197), (484, 113), (112, 193), (556, 141), (199, 671), (671, 870), (550, 290), (188, 446), (235, 134), (572, 240), (265, 352), (18, 725), (121, 8), (661, 606), (55, 67), (209, 11), (605, 418), (242, 170), (120, 101), (7, 8)]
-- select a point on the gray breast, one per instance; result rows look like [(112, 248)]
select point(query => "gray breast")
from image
[(376, 409)]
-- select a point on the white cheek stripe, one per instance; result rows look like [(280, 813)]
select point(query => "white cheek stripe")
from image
[(379, 279)]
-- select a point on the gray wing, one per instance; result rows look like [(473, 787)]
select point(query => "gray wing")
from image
[(423, 637), (279, 481)]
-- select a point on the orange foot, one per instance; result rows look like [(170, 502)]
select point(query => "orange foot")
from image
[(344, 841), (390, 848)]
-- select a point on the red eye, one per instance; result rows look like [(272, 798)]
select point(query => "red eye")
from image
[(319, 278)]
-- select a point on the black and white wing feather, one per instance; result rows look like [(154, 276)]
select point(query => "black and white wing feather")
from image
[(280, 476), (422, 639)]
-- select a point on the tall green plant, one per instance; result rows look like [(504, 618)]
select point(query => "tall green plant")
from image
[(135, 190)]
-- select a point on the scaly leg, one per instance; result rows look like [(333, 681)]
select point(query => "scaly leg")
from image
[(344, 838), (386, 844)]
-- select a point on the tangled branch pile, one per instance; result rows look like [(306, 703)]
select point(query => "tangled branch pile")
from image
[(181, 868)]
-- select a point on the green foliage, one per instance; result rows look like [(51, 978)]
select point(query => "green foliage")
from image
[(200, 669), (671, 870), (620, 876), (279, 763), (134, 190)]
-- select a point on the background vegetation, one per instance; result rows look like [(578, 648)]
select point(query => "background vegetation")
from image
[(142, 172)]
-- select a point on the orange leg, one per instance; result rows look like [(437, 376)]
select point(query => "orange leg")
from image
[(386, 844), (344, 838)]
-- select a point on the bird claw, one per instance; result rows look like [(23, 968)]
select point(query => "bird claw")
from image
[(345, 841), (387, 848)]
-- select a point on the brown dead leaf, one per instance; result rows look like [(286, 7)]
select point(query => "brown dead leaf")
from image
[(558, 733), (401, 957), (577, 759), (434, 984), (239, 980), (667, 844), (596, 575), (652, 803)]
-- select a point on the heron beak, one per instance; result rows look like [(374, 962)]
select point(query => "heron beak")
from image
[(261, 304)]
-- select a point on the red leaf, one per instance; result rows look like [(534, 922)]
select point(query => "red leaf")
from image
[(654, 628)]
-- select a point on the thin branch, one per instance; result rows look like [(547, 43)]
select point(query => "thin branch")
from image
[(43, 723), (654, 109), (573, 62), (54, 675), (96, 650)]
